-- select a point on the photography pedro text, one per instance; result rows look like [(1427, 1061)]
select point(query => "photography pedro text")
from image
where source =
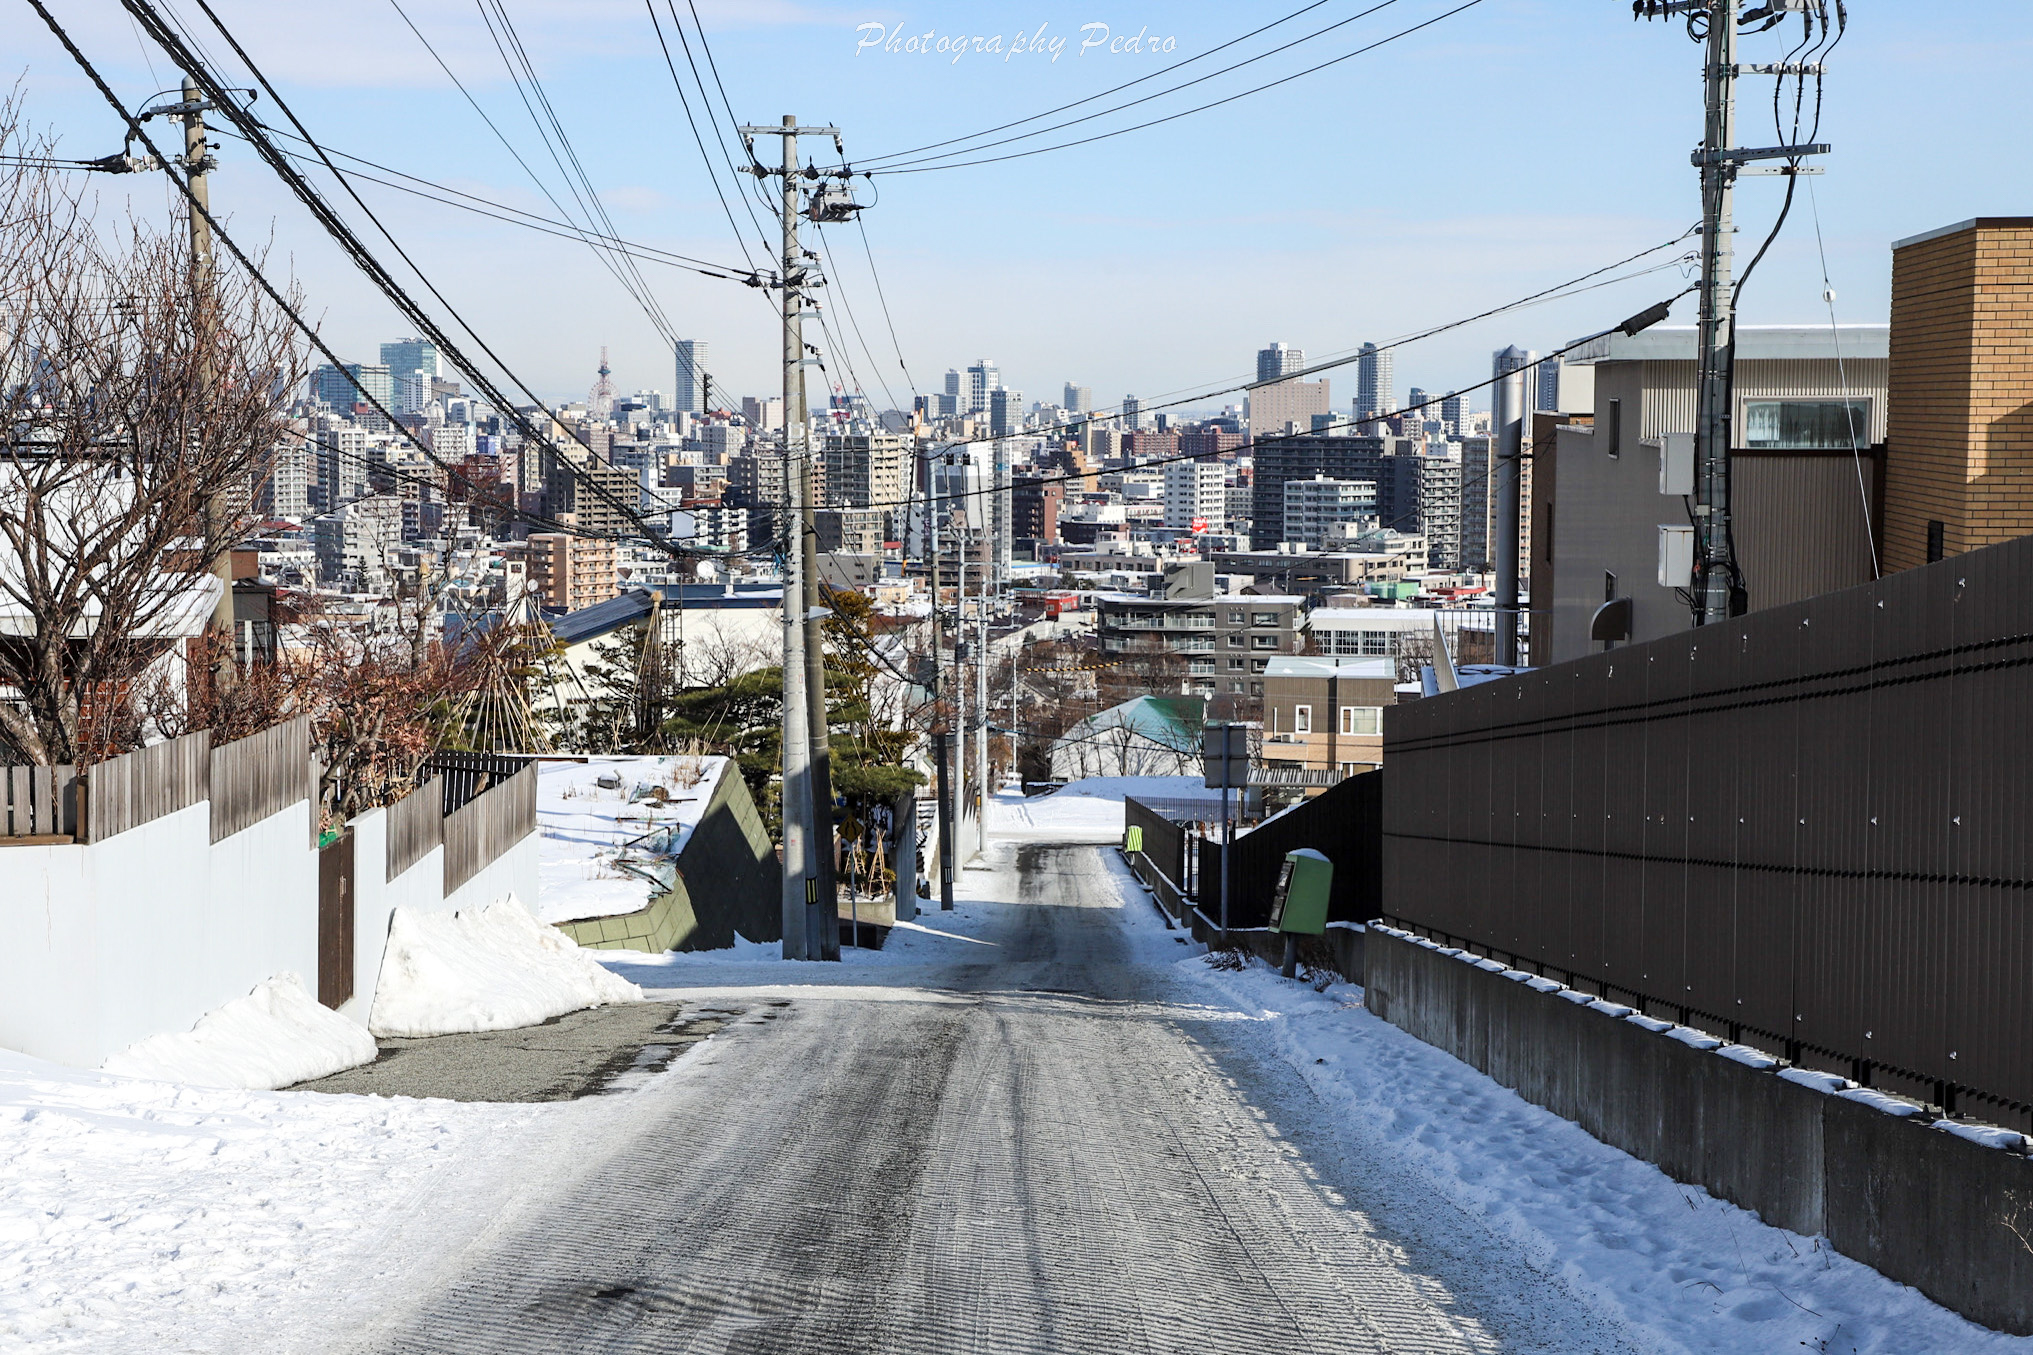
[(1094, 37)]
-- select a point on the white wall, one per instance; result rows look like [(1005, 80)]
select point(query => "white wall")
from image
[(142, 934), (107, 944)]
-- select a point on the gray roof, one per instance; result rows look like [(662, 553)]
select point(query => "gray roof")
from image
[(1675, 343)]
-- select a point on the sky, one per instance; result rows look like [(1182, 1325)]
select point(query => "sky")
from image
[(1498, 151)]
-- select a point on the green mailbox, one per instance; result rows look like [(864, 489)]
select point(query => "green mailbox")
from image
[(1303, 886), (1300, 907)]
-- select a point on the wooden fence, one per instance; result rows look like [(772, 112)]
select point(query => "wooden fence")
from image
[(136, 788), (260, 775), (38, 802), (415, 825), (481, 831)]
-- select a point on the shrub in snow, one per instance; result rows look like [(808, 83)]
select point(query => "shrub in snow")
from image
[(493, 968), (275, 1036)]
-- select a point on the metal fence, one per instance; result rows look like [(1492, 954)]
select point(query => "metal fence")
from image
[(465, 776), (1343, 824), (1806, 827)]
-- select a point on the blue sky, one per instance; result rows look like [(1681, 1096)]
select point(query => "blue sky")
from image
[(1499, 151)]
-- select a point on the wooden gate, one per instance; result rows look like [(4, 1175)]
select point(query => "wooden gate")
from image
[(335, 921)]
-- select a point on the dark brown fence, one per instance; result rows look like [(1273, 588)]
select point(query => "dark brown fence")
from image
[(1344, 824), (139, 787), (260, 775), (480, 832), (1807, 827)]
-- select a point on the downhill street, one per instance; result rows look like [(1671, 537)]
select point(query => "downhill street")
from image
[(1048, 1144)]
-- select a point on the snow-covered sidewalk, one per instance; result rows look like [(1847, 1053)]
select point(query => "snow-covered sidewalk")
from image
[(1683, 1269)]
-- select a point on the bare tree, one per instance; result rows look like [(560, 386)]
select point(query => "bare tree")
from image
[(132, 407)]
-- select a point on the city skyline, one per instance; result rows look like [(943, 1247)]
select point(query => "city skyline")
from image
[(1445, 256)]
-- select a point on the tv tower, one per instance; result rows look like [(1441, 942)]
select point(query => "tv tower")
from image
[(600, 400)]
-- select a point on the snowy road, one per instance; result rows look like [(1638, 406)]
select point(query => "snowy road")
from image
[(1050, 1143)]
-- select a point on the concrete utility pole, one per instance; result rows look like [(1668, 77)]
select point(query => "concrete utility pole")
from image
[(811, 922), (981, 661), (1715, 24), (940, 733), (1508, 434), (197, 165), (1716, 562)]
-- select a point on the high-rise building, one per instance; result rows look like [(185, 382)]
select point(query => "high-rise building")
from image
[(1196, 497), (286, 489), (982, 377), (1546, 390), (1375, 382), (1320, 513), (1374, 459), (412, 364), (1274, 408), (1478, 469), (1279, 360), (344, 387), (1132, 413), (1454, 415), (1079, 399), (763, 414), (1507, 360), (1005, 411), (695, 388), (867, 470)]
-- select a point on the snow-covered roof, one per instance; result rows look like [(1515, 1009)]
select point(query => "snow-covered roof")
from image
[(1329, 665)]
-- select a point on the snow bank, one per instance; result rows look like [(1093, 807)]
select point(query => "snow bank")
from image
[(494, 968), (275, 1036), (1090, 810), (608, 826)]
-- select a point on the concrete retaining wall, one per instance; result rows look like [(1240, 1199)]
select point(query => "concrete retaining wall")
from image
[(1923, 1206)]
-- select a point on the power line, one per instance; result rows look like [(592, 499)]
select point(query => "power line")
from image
[(740, 240), (1201, 108)]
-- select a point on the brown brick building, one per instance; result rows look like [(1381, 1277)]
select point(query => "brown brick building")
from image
[(570, 571), (1959, 464)]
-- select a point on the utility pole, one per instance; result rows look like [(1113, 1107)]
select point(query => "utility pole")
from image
[(940, 733), (810, 915), (1717, 593), (981, 662), (1508, 418), (219, 513)]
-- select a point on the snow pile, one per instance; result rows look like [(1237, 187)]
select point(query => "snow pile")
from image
[(275, 1036), (491, 969), (609, 826), (140, 1216)]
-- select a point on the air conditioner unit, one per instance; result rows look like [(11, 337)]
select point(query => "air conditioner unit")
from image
[(1676, 556)]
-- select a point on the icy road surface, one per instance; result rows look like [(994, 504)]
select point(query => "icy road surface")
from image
[(1040, 1139)]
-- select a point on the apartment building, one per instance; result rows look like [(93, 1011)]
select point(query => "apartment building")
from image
[(570, 571)]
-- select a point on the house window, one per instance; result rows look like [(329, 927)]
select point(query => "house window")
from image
[(1937, 541), (1235, 642), (1257, 641), (1235, 687), (1263, 618), (1806, 425), (1236, 664), (1362, 719), (1376, 642), (1235, 616), (1255, 688), (1259, 665), (1302, 719)]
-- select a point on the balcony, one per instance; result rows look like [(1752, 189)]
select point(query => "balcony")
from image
[(1183, 621)]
